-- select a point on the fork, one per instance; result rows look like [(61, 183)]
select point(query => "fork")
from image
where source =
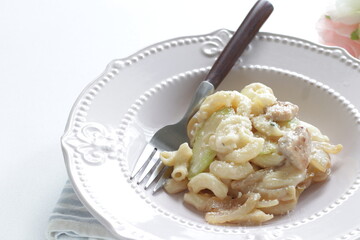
[(170, 137)]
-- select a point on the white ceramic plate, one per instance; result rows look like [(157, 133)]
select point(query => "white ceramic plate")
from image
[(118, 112)]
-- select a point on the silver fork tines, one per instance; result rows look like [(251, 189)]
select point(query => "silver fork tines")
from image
[(150, 165), (143, 160), (157, 170), (167, 138)]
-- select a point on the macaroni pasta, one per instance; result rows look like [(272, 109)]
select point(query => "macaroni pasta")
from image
[(250, 157)]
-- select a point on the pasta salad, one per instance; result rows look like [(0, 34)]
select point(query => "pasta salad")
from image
[(248, 158)]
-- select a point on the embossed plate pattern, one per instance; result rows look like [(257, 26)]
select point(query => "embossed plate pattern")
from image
[(119, 111)]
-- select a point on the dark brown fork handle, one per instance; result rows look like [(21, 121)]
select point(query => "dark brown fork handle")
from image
[(240, 40)]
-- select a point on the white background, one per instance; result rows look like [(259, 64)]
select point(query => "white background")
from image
[(50, 50)]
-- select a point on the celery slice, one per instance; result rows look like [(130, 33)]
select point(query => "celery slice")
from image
[(203, 155)]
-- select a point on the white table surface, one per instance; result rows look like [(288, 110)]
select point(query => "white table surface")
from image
[(50, 50)]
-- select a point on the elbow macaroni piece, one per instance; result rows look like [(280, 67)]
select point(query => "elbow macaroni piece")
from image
[(266, 126), (248, 178), (261, 97), (221, 99), (232, 133), (246, 153), (225, 170), (172, 186), (179, 160), (268, 160), (208, 181)]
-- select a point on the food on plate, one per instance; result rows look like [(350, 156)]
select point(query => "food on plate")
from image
[(249, 157)]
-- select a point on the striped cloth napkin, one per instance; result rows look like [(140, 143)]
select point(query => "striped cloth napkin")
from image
[(70, 220)]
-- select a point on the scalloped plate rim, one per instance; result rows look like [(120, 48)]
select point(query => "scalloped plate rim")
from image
[(70, 121), (111, 63)]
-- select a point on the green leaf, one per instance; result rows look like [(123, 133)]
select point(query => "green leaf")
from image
[(355, 35), (327, 17)]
